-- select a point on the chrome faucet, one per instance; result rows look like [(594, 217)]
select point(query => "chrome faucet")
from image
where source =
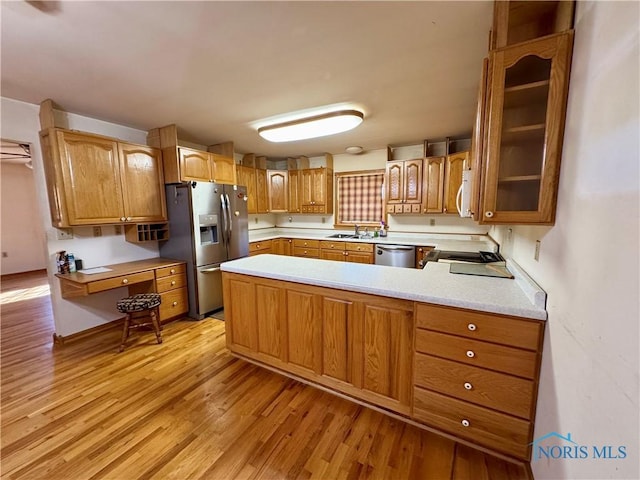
[(357, 230)]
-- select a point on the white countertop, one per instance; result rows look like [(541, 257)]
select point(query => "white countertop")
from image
[(441, 241), (434, 284)]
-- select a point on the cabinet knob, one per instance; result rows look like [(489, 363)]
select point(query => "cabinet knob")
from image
[(124, 280), (488, 214), (470, 354), (465, 422), (289, 241), (122, 219), (258, 245), (358, 248), (173, 282), (468, 386), (174, 303), (332, 245), (305, 252), (346, 254), (444, 209), (471, 327), (128, 219), (172, 271)]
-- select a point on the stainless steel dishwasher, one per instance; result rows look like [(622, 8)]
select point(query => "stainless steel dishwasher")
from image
[(396, 255)]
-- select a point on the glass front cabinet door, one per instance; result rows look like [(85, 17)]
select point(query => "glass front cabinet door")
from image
[(529, 84)]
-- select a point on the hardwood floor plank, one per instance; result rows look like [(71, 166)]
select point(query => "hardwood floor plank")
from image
[(187, 409)]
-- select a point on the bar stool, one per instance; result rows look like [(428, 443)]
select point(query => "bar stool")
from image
[(142, 311)]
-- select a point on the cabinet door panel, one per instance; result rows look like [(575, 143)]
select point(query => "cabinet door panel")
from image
[(395, 183), (413, 181), (387, 343), (91, 173), (434, 185), (359, 257), (456, 163), (278, 188), (307, 187), (319, 186), (262, 192), (241, 296), (295, 198), (195, 166), (142, 183), (336, 339), (337, 255), (247, 177), (304, 331), (224, 169), (271, 319)]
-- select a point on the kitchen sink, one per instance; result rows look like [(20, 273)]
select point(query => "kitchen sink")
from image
[(343, 235)]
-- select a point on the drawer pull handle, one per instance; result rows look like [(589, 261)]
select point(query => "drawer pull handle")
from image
[(468, 386), (125, 281), (175, 303), (470, 354), (173, 282), (172, 271), (465, 423), (471, 327)]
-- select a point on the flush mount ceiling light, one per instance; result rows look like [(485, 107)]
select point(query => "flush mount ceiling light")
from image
[(311, 127), (354, 150)]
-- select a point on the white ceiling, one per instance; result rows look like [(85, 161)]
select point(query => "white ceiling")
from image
[(214, 68)]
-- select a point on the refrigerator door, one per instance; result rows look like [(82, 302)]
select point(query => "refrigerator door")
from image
[(208, 224), (237, 221), (209, 285)]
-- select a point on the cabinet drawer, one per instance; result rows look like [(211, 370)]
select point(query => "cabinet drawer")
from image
[(481, 326), (173, 270), (306, 252), (174, 303), (326, 245), (171, 282), (360, 247), (481, 425), (259, 246), (523, 363), (121, 281), (298, 242), (490, 389)]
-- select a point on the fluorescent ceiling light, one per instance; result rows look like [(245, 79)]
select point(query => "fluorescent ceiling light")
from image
[(312, 127)]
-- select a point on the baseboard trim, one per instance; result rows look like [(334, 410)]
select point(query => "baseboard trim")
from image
[(74, 337)]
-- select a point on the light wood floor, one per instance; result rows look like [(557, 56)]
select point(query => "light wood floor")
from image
[(186, 409)]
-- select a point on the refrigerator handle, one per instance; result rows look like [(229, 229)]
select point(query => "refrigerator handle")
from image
[(230, 224), (224, 218)]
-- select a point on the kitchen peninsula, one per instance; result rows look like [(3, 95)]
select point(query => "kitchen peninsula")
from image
[(457, 354)]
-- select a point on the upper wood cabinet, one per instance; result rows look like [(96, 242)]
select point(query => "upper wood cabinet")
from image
[(183, 164), (316, 190), (295, 191), (525, 126), (454, 165), (93, 180), (247, 177), (262, 191), (404, 186), (278, 190), (442, 179)]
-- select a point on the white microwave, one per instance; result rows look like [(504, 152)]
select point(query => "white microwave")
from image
[(463, 198)]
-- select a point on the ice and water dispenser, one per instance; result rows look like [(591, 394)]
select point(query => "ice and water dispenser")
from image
[(208, 229)]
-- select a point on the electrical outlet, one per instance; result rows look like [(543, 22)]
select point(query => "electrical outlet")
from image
[(509, 233), (5, 254), (536, 254), (118, 229), (324, 220), (256, 220), (432, 222), (64, 233), (97, 231)]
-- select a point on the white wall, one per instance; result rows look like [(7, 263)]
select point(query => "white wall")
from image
[(589, 260), (20, 122), (23, 238)]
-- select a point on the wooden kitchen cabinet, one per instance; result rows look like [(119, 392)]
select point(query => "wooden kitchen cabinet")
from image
[(476, 376), (282, 246), (442, 179), (94, 180), (182, 164), (354, 343), (354, 252), (262, 191), (524, 132), (260, 247), (278, 190), (316, 190), (404, 186), (295, 191), (421, 253), (247, 177)]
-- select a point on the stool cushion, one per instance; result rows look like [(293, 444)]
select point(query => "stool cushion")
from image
[(139, 302)]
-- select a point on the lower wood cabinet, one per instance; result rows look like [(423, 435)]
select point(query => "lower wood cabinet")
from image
[(354, 252), (257, 248), (357, 344)]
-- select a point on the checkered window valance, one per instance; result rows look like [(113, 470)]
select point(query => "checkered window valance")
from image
[(360, 198)]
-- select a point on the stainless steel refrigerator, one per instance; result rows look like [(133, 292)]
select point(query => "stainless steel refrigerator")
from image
[(208, 225)]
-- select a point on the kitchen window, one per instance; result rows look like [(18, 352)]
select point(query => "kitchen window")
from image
[(359, 198)]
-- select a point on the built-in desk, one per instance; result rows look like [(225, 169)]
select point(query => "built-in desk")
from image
[(162, 275)]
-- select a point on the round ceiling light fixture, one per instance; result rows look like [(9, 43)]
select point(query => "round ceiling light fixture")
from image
[(354, 150)]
